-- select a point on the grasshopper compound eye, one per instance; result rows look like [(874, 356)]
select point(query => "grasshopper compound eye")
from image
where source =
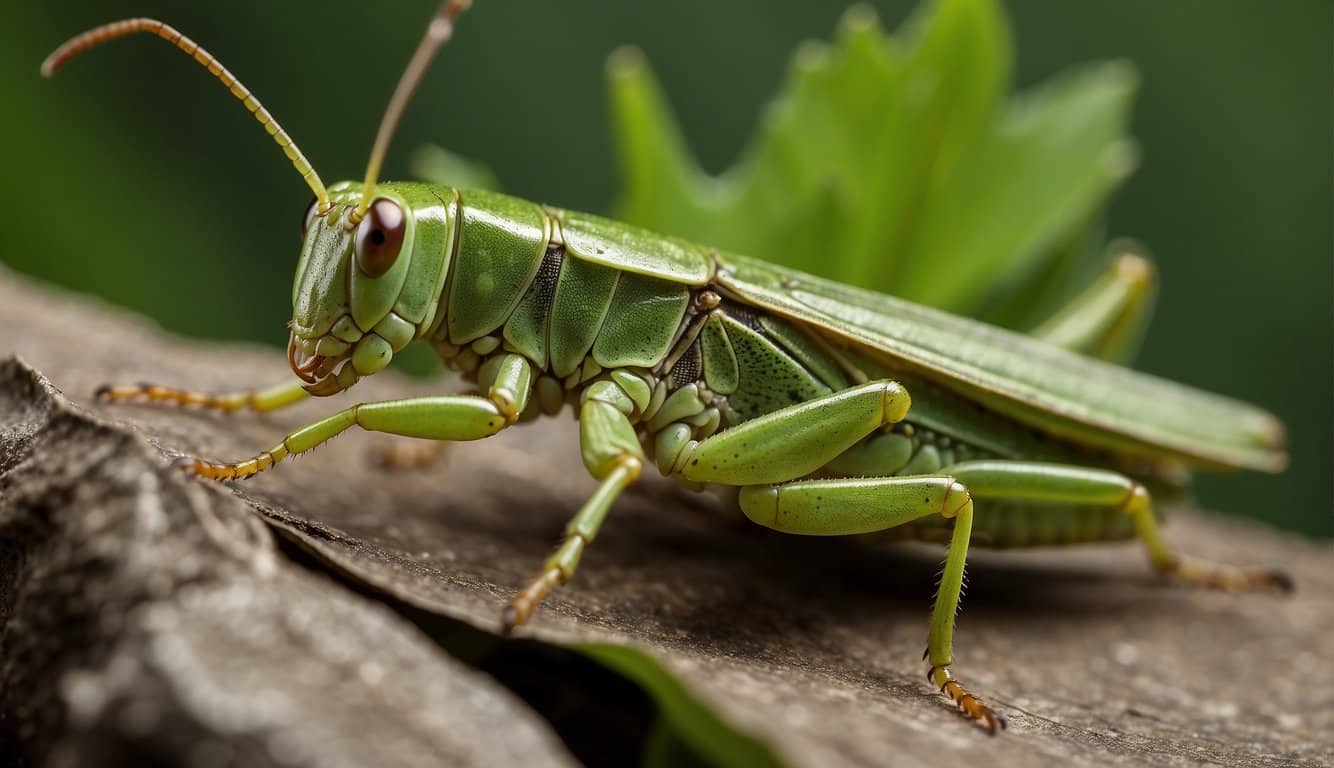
[(379, 237), (312, 211)]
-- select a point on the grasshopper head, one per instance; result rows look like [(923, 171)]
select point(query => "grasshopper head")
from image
[(364, 290), (373, 256)]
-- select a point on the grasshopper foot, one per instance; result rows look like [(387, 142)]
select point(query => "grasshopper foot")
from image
[(968, 704), (527, 599), (145, 392), (1226, 577), (258, 400), (215, 470), (1280, 579)]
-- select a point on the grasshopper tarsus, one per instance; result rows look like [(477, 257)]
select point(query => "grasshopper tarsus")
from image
[(1228, 578), (509, 619), (148, 392), (208, 470), (186, 464), (1281, 579), (526, 600), (968, 704), (172, 467)]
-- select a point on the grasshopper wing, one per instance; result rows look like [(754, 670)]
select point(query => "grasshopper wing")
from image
[(1059, 392)]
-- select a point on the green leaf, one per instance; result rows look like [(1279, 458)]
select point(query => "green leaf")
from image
[(892, 162), (689, 732), (1024, 187)]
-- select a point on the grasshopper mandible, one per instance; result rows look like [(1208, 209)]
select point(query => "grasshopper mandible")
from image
[(725, 371)]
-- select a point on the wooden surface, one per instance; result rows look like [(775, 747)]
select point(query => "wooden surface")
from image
[(812, 645)]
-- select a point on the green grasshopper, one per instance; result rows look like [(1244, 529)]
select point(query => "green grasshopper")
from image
[(727, 371)]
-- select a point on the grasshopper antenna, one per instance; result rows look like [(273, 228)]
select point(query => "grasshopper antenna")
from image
[(107, 32), (438, 33)]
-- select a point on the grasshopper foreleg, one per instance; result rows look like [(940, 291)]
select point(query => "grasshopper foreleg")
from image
[(446, 418), (258, 400), (457, 417), (508, 382)]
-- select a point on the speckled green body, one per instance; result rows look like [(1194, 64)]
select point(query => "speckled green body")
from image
[(714, 340)]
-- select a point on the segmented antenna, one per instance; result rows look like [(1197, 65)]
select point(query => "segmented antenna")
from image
[(438, 33), (98, 35)]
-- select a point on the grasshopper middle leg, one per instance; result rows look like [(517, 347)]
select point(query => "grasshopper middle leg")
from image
[(612, 455)]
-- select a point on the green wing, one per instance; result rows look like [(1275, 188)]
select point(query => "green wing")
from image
[(1079, 398), (631, 249)]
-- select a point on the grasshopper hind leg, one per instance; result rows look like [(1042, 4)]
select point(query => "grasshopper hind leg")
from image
[(1108, 319), (828, 507), (1060, 485), (870, 504), (1193, 570), (770, 459)]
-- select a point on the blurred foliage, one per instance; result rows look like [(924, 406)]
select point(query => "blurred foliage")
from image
[(440, 166), (894, 163), (689, 732), (134, 178)]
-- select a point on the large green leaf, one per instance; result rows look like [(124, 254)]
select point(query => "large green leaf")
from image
[(893, 162), (1024, 187)]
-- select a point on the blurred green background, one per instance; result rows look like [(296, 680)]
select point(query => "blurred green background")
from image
[(133, 177)]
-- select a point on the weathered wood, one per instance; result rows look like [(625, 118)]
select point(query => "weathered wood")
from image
[(813, 645)]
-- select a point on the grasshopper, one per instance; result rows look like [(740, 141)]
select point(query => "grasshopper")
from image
[(831, 410)]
